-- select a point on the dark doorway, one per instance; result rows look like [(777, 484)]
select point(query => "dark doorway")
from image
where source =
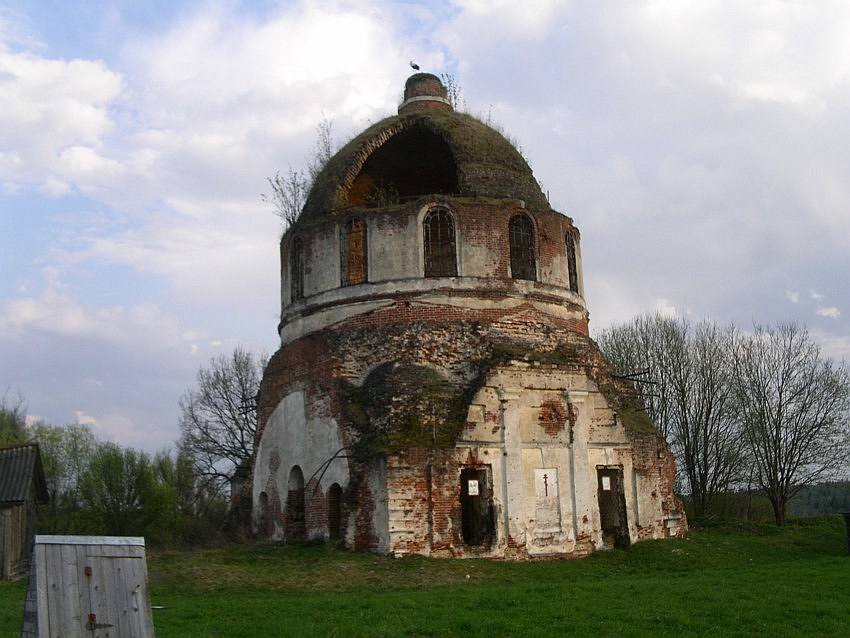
[(296, 527), (264, 523), (335, 512), (612, 506), (476, 506)]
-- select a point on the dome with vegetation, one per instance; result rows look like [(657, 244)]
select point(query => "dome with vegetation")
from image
[(426, 150)]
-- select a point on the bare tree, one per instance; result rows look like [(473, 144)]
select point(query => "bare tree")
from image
[(453, 91), (289, 193), (707, 434), (219, 420), (290, 190), (655, 344), (684, 391), (323, 149), (793, 407)]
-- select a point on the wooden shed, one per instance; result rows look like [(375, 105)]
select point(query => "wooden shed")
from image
[(88, 587), (22, 488)]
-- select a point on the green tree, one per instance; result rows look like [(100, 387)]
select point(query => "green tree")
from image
[(13, 417), (101, 488), (66, 453), (120, 494), (197, 510)]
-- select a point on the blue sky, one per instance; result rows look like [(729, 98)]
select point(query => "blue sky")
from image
[(703, 149)]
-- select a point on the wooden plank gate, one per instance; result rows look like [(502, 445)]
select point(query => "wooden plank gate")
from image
[(88, 587)]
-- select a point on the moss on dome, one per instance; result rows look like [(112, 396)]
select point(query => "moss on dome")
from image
[(482, 161)]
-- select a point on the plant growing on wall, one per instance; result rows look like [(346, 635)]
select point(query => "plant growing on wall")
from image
[(290, 189)]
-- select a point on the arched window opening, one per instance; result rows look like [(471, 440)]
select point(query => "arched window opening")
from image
[(440, 252), (296, 269), (335, 512), (410, 164), (352, 252), (296, 524), (572, 268), (521, 237)]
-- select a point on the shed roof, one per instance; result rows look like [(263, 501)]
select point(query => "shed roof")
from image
[(20, 467)]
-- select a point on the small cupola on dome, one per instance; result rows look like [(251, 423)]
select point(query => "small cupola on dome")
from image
[(424, 92)]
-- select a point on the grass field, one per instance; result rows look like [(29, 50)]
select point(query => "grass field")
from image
[(744, 580)]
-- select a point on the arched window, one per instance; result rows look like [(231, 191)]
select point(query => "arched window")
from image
[(521, 235), (296, 269), (440, 253), (572, 268), (352, 252)]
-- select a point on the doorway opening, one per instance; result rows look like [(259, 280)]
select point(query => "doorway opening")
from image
[(335, 512), (476, 501), (296, 524), (612, 506)]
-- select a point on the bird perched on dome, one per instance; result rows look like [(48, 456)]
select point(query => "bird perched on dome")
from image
[(413, 65)]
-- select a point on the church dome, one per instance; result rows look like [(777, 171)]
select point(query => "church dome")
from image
[(427, 149)]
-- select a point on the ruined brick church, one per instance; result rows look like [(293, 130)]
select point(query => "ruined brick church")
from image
[(436, 390)]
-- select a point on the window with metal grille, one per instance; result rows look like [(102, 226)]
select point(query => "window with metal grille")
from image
[(296, 269), (521, 235), (440, 253), (352, 252), (572, 269)]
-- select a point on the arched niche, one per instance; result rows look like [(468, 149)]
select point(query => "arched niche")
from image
[(296, 527), (414, 162)]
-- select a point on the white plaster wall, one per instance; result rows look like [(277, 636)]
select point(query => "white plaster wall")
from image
[(288, 440), (557, 271), (478, 261), (393, 251), (503, 419), (322, 267)]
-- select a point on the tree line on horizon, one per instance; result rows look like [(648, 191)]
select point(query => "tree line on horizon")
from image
[(758, 422), (97, 487), (172, 498), (743, 411)]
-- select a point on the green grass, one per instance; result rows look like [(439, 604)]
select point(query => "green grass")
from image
[(733, 580)]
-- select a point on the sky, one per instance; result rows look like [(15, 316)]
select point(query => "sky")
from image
[(702, 148)]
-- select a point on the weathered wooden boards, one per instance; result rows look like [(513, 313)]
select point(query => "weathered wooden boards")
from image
[(88, 587)]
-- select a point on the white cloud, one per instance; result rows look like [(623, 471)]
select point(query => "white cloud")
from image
[(768, 51), (84, 419), (56, 311), (49, 106), (830, 312), (664, 308), (506, 18), (834, 346), (793, 297)]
